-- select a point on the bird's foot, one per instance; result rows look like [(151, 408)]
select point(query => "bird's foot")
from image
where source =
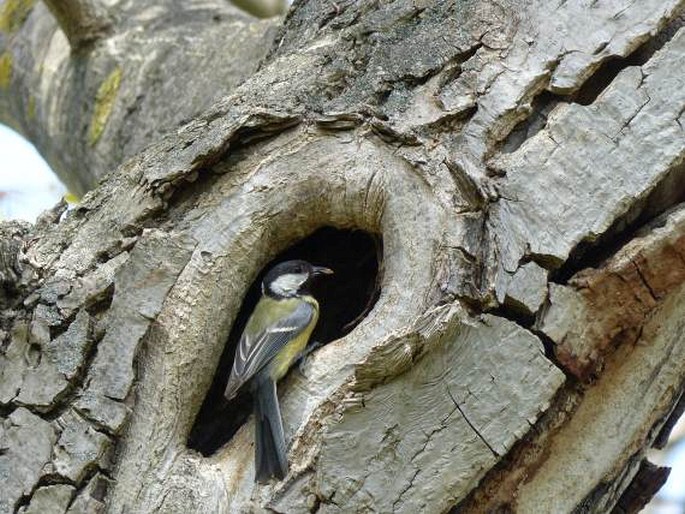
[(302, 359)]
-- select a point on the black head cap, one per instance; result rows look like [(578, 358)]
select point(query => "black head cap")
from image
[(290, 278)]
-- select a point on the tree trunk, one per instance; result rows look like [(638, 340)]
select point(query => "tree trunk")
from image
[(519, 167)]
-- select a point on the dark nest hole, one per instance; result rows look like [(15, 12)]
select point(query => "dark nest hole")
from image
[(344, 299)]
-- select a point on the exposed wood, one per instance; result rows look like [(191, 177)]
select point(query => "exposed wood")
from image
[(602, 308)]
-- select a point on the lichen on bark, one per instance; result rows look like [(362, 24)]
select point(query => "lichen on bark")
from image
[(5, 69), (13, 14), (468, 385), (104, 102)]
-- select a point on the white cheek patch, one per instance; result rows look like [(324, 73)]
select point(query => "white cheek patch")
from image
[(288, 284)]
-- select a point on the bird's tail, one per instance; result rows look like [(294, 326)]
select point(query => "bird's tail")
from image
[(270, 455)]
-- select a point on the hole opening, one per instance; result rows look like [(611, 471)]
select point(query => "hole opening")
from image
[(345, 298)]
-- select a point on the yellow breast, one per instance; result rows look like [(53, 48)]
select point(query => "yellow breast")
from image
[(281, 363)]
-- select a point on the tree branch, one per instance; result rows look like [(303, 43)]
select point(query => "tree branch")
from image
[(83, 21), (110, 108)]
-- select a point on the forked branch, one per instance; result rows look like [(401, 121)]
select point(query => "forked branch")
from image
[(83, 21)]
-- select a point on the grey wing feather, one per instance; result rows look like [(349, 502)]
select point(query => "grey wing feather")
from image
[(254, 353)]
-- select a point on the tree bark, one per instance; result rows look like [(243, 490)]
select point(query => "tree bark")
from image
[(134, 71), (523, 165)]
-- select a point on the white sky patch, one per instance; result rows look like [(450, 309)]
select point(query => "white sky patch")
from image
[(27, 184), (671, 498), (673, 492)]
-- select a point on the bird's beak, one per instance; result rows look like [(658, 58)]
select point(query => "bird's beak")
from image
[(320, 270)]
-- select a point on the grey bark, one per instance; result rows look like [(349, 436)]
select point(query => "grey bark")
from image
[(523, 162), (89, 109), (82, 21)]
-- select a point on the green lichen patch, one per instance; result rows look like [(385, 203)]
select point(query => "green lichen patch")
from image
[(31, 110), (71, 198), (5, 70), (13, 14), (104, 101)]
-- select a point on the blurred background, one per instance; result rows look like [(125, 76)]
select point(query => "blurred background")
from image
[(671, 497), (28, 186)]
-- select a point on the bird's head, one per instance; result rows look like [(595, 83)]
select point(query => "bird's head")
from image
[(291, 278)]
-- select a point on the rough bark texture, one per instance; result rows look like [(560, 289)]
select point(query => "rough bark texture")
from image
[(521, 161)]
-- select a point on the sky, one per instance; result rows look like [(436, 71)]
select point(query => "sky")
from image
[(671, 497), (28, 186)]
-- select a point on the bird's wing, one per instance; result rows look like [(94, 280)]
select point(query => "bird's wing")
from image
[(258, 346)]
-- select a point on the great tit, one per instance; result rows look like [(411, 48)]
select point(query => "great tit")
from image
[(275, 336)]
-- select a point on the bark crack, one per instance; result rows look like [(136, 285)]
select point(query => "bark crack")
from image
[(405, 489), (544, 101), (643, 215), (468, 422), (644, 281), (626, 123)]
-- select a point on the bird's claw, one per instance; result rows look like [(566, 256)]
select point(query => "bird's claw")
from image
[(302, 359)]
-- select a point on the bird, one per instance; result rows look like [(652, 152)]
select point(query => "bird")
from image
[(275, 336)]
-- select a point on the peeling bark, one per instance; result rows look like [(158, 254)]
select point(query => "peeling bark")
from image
[(526, 345)]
